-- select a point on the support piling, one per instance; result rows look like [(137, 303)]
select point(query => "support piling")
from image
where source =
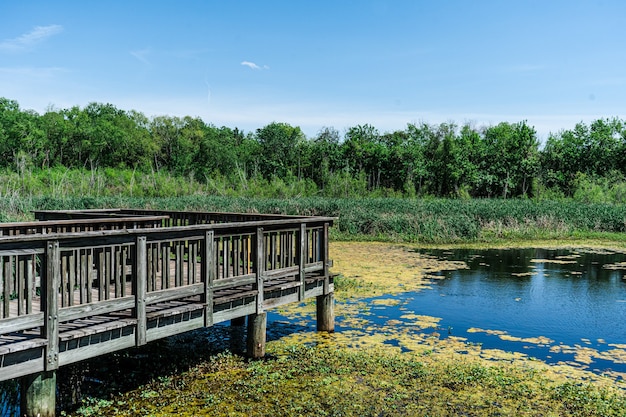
[(326, 312), (38, 394), (257, 325)]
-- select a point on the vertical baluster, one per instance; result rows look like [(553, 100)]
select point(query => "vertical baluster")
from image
[(5, 270), (116, 267), (150, 269), (125, 258), (165, 276), (273, 250), (178, 265), (236, 256), (88, 269), (20, 275), (226, 256), (30, 282), (64, 280), (101, 276), (246, 254)]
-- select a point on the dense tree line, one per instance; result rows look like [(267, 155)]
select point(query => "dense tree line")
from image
[(504, 160)]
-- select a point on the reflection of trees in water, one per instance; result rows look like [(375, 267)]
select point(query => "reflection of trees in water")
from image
[(9, 398)]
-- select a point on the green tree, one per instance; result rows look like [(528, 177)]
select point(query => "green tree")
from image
[(510, 159), (279, 144)]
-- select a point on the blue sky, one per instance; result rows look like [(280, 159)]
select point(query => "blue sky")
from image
[(322, 63)]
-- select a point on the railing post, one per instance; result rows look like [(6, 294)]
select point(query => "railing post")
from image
[(38, 391), (140, 282), (260, 269), (257, 323), (325, 259), (209, 274), (326, 301), (51, 308), (302, 256)]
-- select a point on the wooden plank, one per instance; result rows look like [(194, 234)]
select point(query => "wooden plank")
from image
[(174, 293), (171, 330), (5, 270), (325, 258), (115, 342), (21, 369), (260, 268), (282, 272), (101, 273), (172, 309), (96, 309), (279, 301), (30, 283), (94, 325), (51, 306), (313, 267), (302, 259), (220, 298), (209, 274), (20, 277), (16, 324), (234, 312), (116, 267), (234, 281), (89, 276), (140, 282)]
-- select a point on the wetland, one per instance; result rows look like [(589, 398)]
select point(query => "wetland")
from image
[(423, 331)]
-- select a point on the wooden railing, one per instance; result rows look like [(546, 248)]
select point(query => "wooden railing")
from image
[(81, 225), (52, 285)]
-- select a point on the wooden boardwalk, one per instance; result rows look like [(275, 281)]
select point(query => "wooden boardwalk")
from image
[(79, 284)]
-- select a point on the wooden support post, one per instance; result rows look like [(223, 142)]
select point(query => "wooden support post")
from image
[(209, 274), (255, 344), (237, 335), (38, 395), (302, 258), (50, 298), (260, 270), (141, 278), (325, 259), (326, 312)]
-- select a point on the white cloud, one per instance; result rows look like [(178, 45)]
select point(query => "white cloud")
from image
[(27, 40), (253, 66), (141, 55)]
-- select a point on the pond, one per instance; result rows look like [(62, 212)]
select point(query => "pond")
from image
[(560, 306)]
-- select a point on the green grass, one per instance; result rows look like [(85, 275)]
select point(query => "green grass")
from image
[(437, 221)]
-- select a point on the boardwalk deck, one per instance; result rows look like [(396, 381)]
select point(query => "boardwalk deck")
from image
[(79, 284)]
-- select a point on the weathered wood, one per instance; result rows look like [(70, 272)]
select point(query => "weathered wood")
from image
[(161, 296), (234, 281), (260, 269), (17, 324), (209, 272), (51, 306), (326, 312), (95, 309), (325, 258), (38, 395), (255, 343), (140, 283), (95, 284), (302, 260)]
